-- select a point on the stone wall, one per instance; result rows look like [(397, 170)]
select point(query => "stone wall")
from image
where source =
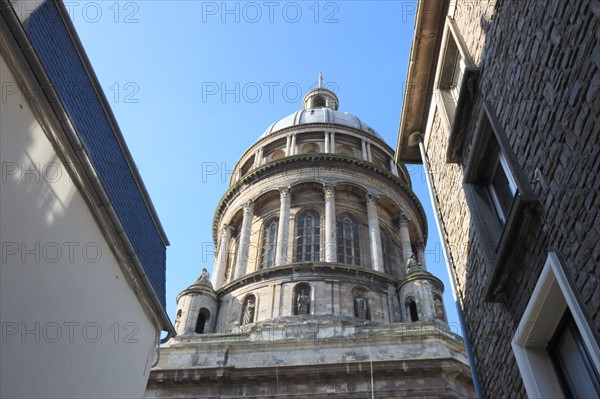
[(539, 69)]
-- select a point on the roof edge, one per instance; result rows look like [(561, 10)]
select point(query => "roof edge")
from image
[(424, 52)]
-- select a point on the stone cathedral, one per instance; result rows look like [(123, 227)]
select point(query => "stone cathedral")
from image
[(319, 287)]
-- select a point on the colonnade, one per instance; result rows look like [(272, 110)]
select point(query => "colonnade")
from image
[(330, 238)]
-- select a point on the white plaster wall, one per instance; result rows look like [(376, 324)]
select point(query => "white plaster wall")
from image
[(72, 327)]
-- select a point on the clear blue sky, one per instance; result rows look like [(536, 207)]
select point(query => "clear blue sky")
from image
[(193, 84)]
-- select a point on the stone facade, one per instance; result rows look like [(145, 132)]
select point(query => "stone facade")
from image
[(319, 286), (536, 78)]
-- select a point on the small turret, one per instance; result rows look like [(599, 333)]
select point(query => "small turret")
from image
[(197, 307), (421, 294)]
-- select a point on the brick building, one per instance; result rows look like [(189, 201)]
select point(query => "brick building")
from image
[(501, 106)]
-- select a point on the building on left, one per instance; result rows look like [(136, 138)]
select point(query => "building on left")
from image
[(82, 295)]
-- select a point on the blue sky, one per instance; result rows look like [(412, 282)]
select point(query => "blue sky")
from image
[(193, 84)]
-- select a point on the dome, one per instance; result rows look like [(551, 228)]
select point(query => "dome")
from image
[(320, 115), (320, 105)]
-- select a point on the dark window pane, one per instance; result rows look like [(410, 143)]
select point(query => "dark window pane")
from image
[(572, 361)]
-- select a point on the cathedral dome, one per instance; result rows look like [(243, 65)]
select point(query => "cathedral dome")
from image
[(320, 115), (320, 105)]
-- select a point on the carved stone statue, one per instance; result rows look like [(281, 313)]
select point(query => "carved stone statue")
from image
[(412, 265), (302, 303), (204, 277), (439, 308), (360, 307), (249, 312)]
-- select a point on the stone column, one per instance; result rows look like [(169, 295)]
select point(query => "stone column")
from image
[(330, 233), (244, 244), (369, 155), (393, 167), (284, 226), (405, 239), (221, 260), (327, 142), (374, 233), (293, 145), (260, 159), (364, 150), (421, 254), (332, 142), (288, 141)]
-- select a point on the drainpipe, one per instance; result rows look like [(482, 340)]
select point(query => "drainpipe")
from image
[(449, 262)]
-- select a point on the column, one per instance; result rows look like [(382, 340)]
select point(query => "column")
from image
[(374, 234), (369, 155), (327, 142), (244, 245), (405, 238), (332, 143), (393, 167), (221, 260), (259, 160), (364, 150), (288, 141), (283, 228), (330, 239), (293, 145), (421, 254)]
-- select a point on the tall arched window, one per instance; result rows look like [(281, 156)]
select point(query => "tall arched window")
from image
[(347, 240), (308, 237), (411, 307), (269, 243), (203, 317)]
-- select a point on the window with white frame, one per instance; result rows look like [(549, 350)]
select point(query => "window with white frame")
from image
[(555, 348), (455, 64), (457, 79), (503, 206), (502, 186), (489, 172)]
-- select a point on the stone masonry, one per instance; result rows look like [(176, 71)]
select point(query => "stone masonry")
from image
[(539, 64)]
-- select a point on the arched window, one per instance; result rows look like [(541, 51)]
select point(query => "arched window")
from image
[(301, 299), (309, 148), (203, 317), (411, 306), (308, 237), (248, 310), (347, 240), (269, 243), (345, 150), (360, 297), (177, 319), (277, 155), (318, 102)]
